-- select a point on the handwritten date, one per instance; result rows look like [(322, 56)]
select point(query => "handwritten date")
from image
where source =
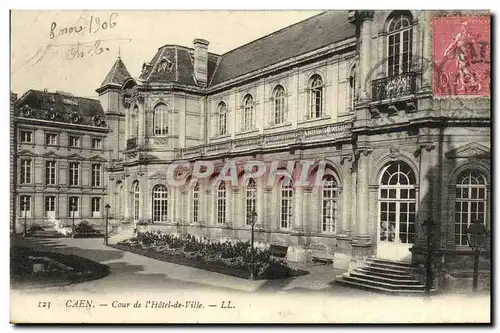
[(94, 25)]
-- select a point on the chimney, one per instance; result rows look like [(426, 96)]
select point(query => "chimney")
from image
[(201, 60)]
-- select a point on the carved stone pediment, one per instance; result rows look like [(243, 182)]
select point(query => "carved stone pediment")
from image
[(97, 158), (51, 154), (75, 157), (158, 175), (27, 153), (470, 150)]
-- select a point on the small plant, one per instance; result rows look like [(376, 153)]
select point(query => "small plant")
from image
[(34, 227)]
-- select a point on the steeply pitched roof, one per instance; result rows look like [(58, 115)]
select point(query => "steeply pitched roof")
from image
[(117, 75), (62, 104), (174, 63), (305, 36)]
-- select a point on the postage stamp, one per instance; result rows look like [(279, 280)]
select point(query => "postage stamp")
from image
[(461, 55)]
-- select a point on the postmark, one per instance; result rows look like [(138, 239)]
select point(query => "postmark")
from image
[(461, 54)]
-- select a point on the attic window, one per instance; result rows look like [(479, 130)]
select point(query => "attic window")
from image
[(165, 65)]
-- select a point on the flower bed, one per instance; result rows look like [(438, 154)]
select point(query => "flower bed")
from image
[(86, 230), (226, 258)]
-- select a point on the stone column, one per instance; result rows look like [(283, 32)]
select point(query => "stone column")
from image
[(267, 207), (298, 223), (366, 51), (361, 243), (427, 63), (178, 204), (260, 205), (202, 215), (210, 206), (142, 118), (344, 228), (127, 122)]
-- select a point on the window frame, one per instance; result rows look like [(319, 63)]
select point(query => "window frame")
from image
[(49, 204), (78, 140), (287, 210), (398, 37), (23, 203), (51, 135), (74, 199), (96, 202), (96, 177), (278, 105), (250, 201), (48, 173), (26, 171), (329, 185), (248, 113), (71, 173), (313, 99), (161, 116), (160, 201), (25, 131), (221, 203)]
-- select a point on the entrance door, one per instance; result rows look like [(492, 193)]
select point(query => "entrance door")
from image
[(397, 212)]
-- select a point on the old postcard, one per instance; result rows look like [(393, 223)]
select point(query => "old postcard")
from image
[(250, 166)]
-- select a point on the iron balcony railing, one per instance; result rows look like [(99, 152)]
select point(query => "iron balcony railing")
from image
[(394, 87)]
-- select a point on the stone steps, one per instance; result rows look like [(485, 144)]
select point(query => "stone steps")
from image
[(382, 275)]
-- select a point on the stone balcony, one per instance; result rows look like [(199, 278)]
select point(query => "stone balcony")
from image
[(261, 142)]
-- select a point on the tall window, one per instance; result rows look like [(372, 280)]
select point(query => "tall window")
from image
[(50, 206), (160, 120), (160, 203), (96, 207), (286, 204), (50, 172), (74, 173), (51, 139), (74, 141), (315, 97), (329, 203), (196, 203), (26, 136), (248, 105), (25, 176), (25, 205), (137, 201), (399, 52), (96, 175), (222, 118), (278, 105), (134, 122), (250, 200), (74, 206), (221, 203), (96, 143), (397, 203), (470, 202), (352, 88)]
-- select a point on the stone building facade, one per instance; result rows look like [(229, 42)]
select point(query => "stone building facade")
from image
[(61, 155), (350, 91)]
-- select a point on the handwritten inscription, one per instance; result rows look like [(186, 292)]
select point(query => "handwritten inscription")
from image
[(94, 25)]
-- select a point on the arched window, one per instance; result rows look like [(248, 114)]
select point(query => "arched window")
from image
[(196, 203), (137, 201), (247, 112), (315, 97), (160, 203), (399, 44), (470, 202), (286, 204), (221, 203), (397, 203), (222, 118), (250, 200), (352, 88), (135, 122), (160, 120), (329, 203), (278, 105)]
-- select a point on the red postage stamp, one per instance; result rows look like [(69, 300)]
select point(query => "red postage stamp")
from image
[(461, 56)]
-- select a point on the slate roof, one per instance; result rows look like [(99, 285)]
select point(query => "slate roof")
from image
[(174, 63), (62, 104), (117, 75), (305, 36)]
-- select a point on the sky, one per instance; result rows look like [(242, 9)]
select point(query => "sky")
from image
[(57, 50)]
